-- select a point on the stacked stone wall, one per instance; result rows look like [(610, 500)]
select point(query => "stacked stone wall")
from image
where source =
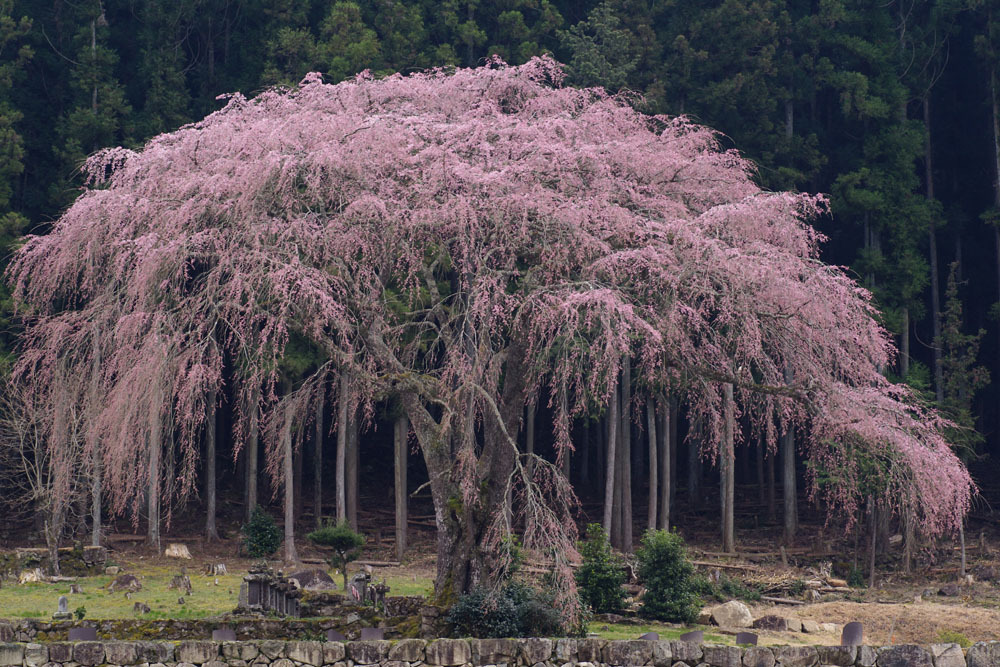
[(482, 653)]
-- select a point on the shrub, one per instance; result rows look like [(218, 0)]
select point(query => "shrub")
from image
[(515, 610), (954, 637), (725, 589), (602, 573), (667, 575), (261, 536), (345, 542)]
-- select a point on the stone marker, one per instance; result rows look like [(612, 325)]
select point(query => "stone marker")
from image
[(771, 622), (62, 614)]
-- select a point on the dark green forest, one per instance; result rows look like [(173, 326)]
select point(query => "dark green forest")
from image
[(891, 109)]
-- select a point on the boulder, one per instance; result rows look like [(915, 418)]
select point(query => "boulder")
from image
[(245, 651), (120, 653), (272, 648), (494, 651), (336, 652), (30, 576), (811, 627), (60, 652), (663, 655), (368, 652), (312, 580), (949, 590), (589, 650), (867, 656), (152, 652), (772, 623), (904, 655), (35, 655), (688, 652), (794, 624), (733, 614)]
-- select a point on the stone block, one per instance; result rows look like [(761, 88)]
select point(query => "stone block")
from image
[(13, 654), (217, 663), (722, 656), (589, 650), (407, 650), (369, 652), (448, 652), (947, 655), (866, 656), (60, 652), (121, 653), (794, 624), (333, 652), (758, 656), (197, 652), (837, 655), (771, 622), (494, 651), (983, 654), (282, 662), (153, 652), (88, 653), (36, 655), (535, 650), (688, 652), (628, 652), (272, 649), (565, 650), (309, 653), (245, 651), (663, 655), (394, 663), (795, 656), (904, 655)]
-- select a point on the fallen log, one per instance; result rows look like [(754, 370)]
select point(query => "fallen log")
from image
[(768, 598)]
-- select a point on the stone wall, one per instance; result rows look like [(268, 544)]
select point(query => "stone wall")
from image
[(479, 652)]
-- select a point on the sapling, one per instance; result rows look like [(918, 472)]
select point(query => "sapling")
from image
[(346, 544)]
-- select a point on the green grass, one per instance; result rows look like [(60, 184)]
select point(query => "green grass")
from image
[(38, 600), (623, 631)]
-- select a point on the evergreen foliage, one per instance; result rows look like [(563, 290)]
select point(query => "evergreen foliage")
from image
[(346, 544), (601, 575), (261, 536), (668, 577)]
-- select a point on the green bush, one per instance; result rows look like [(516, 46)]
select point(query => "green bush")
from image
[(665, 571), (954, 637), (515, 610), (724, 590), (345, 542), (260, 535), (602, 573)]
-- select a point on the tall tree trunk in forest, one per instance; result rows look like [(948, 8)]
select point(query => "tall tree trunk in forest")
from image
[(353, 444), (566, 455), (772, 504), (654, 468), (904, 343), (252, 462), (400, 431), (211, 531), (694, 462), (153, 508), (291, 555), (299, 471), (761, 490), (583, 471), (727, 470), (788, 485), (618, 522), (611, 456), (995, 107), (626, 454), (342, 429), (666, 463), (673, 409), (318, 457), (932, 244)]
